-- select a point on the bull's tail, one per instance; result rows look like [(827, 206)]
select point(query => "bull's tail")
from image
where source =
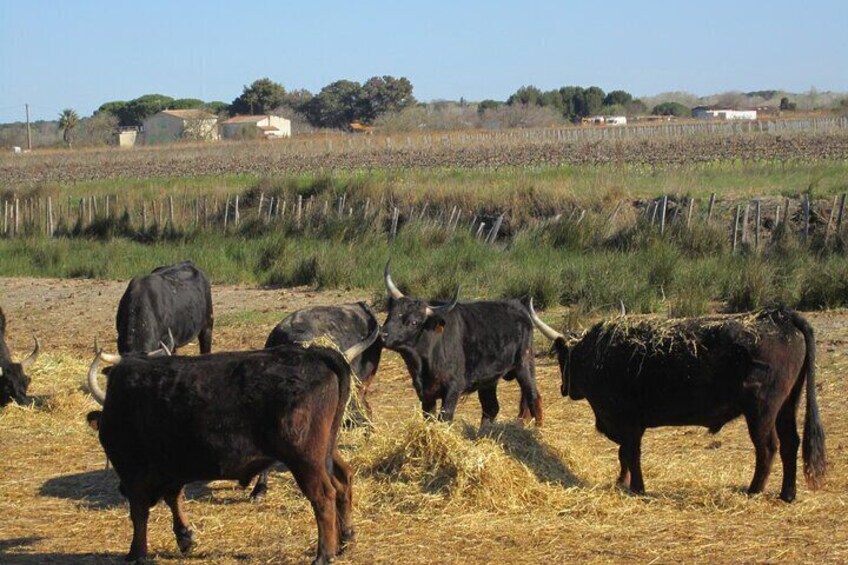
[(813, 446)]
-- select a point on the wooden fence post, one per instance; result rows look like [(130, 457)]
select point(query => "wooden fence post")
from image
[(710, 207), (745, 224), (806, 210), (841, 210), (395, 215), (736, 226), (757, 227), (226, 212), (299, 209), (663, 213), (236, 217), (689, 213), (49, 217)]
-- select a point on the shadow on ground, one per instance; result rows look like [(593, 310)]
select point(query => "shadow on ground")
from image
[(524, 446)]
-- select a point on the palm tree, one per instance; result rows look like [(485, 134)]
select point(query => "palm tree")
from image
[(68, 120)]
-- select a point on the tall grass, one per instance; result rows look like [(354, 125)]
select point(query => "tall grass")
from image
[(586, 264)]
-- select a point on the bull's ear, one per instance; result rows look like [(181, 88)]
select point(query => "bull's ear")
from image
[(93, 419), (435, 323)]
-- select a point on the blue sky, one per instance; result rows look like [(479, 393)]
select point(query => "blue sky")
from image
[(81, 53)]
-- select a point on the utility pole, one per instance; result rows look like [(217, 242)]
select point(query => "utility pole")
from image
[(29, 134)]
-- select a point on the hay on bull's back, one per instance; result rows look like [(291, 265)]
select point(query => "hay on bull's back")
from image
[(423, 463)]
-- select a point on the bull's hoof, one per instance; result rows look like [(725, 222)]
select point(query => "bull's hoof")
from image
[(136, 556), (347, 536), (185, 541), (787, 496), (322, 560)]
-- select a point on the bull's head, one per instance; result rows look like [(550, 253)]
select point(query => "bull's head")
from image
[(568, 387), (411, 319), (13, 379)]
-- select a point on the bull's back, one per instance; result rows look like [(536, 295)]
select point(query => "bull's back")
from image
[(495, 335)]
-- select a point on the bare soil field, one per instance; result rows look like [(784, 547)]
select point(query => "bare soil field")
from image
[(448, 151), (423, 493)]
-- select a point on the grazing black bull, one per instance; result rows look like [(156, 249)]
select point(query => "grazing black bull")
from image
[(169, 421), (345, 325), (461, 347), (700, 372), (173, 304), (13, 380)]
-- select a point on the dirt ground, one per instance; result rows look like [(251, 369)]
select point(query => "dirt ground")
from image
[(58, 505)]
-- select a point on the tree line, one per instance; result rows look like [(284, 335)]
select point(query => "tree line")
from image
[(337, 105)]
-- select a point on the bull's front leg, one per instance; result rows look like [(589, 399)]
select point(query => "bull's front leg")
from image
[(449, 402), (630, 455), (139, 513), (428, 407)]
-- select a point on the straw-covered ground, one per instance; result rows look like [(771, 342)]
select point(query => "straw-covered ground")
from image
[(423, 493)]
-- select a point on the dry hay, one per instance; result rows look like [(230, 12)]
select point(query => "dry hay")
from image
[(427, 492), (657, 334)]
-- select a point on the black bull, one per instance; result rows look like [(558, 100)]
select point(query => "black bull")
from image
[(702, 372), (168, 421), (172, 305), (457, 348), (13, 378)]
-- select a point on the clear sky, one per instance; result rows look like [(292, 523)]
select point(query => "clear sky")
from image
[(56, 54)]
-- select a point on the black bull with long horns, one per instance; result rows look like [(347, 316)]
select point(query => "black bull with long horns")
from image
[(13, 378), (168, 421), (456, 348), (699, 372)]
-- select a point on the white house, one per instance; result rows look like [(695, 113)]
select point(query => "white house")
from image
[(267, 127), (175, 125), (707, 113), (616, 120)]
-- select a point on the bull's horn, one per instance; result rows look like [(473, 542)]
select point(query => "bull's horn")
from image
[(164, 350), (32, 356), (112, 358), (445, 308), (357, 349), (93, 386), (546, 330), (393, 290), (623, 311)]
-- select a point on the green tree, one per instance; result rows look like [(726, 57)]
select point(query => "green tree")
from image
[(261, 97), (484, 105), (68, 121), (527, 95), (618, 97), (385, 94), (135, 111), (114, 108), (594, 100), (337, 105), (786, 105), (216, 107), (186, 104), (671, 109)]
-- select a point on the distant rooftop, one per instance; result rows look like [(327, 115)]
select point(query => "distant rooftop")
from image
[(191, 114)]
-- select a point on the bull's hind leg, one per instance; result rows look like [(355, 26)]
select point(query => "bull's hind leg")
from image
[(175, 501), (139, 513), (787, 433), (531, 400), (315, 482), (761, 428), (343, 483), (624, 473), (630, 456), (489, 403)]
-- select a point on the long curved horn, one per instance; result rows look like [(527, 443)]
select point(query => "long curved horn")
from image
[(546, 330), (623, 312), (93, 386), (358, 349), (32, 356), (445, 308), (112, 358), (393, 290)]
